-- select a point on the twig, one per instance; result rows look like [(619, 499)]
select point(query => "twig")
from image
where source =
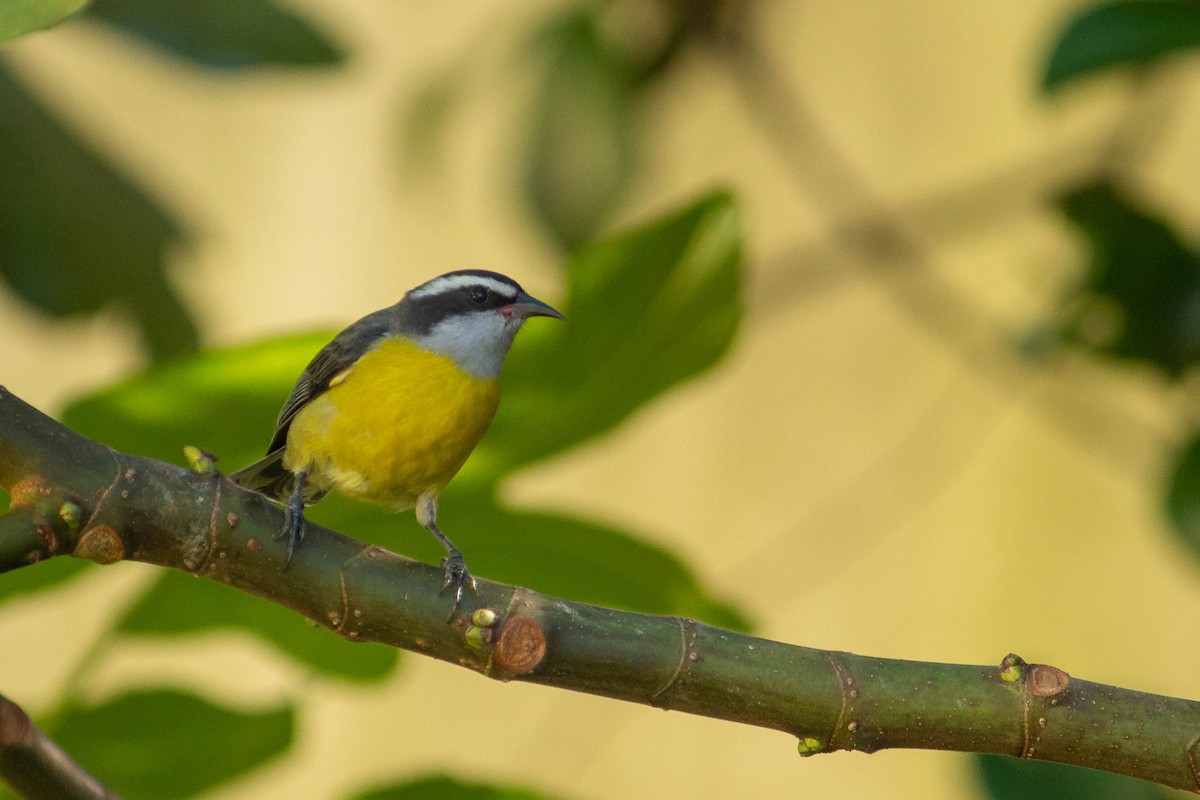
[(35, 767)]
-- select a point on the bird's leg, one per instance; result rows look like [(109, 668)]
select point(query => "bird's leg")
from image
[(293, 517), (455, 566)]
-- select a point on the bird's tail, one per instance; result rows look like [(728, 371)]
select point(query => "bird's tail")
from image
[(268, 476)]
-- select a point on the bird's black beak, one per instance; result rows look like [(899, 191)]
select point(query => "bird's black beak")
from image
[(527, 306)]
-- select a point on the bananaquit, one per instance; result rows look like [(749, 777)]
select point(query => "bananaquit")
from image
[(390, 409)]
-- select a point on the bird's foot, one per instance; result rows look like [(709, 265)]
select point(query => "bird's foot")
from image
[(457, 579), (293, 529)]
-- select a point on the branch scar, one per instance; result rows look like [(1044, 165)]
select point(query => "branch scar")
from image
[(367, 551), (1191, 758), (683, 651), (345, 603), (840, 675), (212, 528), (1027, 747), (104, 497), (515, 600)]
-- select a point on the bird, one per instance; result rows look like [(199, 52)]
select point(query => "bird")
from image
[(391, 408)]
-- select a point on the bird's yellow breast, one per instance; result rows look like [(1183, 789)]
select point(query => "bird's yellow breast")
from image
[(401, 422)]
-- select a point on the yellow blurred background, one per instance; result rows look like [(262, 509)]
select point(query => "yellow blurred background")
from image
[(874, 468)]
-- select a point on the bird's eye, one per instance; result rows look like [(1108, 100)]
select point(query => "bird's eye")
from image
[(479, 295)]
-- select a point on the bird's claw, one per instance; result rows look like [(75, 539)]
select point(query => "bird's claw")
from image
[(457, 578), (293, 529)]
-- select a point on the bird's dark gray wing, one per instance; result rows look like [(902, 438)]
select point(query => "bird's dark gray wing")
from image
[(333, 359), (267, 475)]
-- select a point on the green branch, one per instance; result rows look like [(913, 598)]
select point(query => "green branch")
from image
[(72, 496), (36, 767)]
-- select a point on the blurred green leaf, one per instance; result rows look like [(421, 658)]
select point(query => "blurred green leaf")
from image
[(426, 120), (223, 34), (1140, 299), (223, 401), (645, 311), (76, 236), (48, 574), (179, 604), (1122, 33), (1006, 778), (558, 555), (583, 143), (163, 744), (443, 787), (582, 560), (18, 17), (1183, 495)]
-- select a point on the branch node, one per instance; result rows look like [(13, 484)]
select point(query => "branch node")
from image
[(478, 638), (71, 514), (480, 633), (1012, 667), (99, 504), (339, 620), (809, 746), (1043, 680), (846, 693), (192, 558), (1191, 759), (520, 646), (484, 617), (100, 543), (687, 654)]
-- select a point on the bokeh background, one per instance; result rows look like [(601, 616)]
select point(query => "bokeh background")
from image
[(956, 419)]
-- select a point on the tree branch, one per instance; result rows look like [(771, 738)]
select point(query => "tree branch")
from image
[(37, 768), (73, 496)]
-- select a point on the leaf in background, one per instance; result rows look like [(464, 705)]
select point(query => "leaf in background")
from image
[(222, 34), (425, 122), (583, 145), (178, 604), (645, 311), (443, 787), (1141, 294), (223, 401), (1122, 33), (75, 236), (18, 17), (1006, 778), (585, 561), (49, 574), (163, 744), (1183, 495)]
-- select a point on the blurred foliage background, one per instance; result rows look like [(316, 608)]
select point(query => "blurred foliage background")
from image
[(882, 331)]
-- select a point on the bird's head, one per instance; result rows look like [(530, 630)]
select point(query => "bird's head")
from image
[(470, 316)]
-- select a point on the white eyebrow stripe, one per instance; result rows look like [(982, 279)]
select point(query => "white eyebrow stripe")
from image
[(446, 283)]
